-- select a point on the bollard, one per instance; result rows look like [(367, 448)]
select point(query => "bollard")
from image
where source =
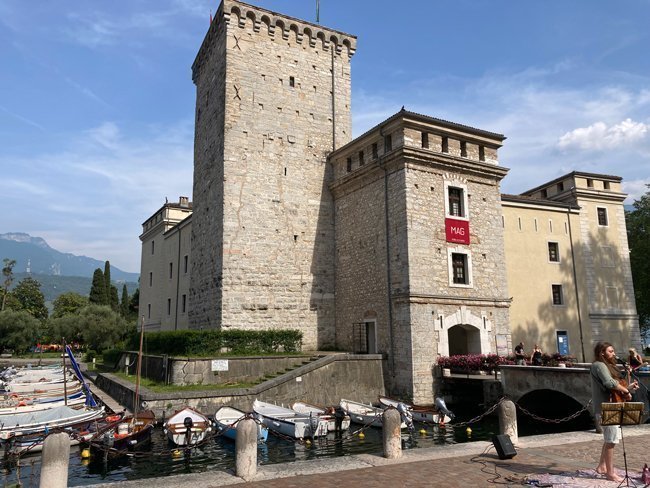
[(508, 420), (392, 433), (55, 460), (246, 449)]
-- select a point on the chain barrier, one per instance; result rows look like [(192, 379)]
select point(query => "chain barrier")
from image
[(554, 421)]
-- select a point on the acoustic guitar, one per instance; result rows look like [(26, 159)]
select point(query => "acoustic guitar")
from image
[(617, 396)]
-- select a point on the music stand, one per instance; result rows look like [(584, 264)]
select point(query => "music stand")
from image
[(625, 413)]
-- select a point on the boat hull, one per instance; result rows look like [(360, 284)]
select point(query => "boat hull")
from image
[(187, 427), (226, 420), (287, 422)]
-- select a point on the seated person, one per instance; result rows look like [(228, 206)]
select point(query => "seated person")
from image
[(634, 359)]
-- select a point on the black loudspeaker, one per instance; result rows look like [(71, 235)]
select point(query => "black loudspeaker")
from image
[(504, 446)]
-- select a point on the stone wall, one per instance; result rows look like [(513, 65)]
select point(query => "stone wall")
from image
[(263, 226), (322, 382)]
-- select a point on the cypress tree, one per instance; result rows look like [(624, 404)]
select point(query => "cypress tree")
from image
[(114, 300), (107, 283), (124, 304), (98, 289)]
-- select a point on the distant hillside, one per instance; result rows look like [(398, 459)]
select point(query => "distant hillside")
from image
[(53, 286), (43, 260)]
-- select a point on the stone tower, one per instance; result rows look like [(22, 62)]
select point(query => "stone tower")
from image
[(272, 101)]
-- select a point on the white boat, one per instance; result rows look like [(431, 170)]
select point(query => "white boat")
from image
[(187, 427), (431, 414), (39, 387), (289, 422), (28, 406), (364, 414), (328, 414), (226, 419), (40, 421)]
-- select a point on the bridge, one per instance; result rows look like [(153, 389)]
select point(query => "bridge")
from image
[(519, 382)]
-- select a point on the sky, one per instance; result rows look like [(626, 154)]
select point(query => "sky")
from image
[(97, 101)]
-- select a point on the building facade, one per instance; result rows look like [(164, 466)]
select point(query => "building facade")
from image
[(398, 242)]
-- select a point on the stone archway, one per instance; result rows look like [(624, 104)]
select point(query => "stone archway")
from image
[(464, 339), (464, 333)]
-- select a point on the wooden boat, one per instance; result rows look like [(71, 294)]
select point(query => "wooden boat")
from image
[(75, 401), (129, 434), (226, 419), (431, 414), (361, 413), (289, 422), (187, 427), (328, 414), (54, 386)]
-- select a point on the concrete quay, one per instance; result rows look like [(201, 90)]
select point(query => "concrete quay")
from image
[(559, 460)]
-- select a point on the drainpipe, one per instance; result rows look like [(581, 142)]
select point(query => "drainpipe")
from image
[(333, 47), (575, 283), (388, 267)]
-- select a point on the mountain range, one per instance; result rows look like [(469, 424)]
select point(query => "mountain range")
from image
[(34, 255)]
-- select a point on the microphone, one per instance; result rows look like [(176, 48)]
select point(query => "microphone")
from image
[(620, 361)]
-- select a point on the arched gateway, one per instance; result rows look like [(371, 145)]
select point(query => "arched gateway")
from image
[(464, 332)]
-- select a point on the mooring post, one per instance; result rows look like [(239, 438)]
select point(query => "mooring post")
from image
[(55, 460), (392, 433), (246, 449), (508, 420)]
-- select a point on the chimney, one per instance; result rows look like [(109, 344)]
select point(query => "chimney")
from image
[(183, 201)]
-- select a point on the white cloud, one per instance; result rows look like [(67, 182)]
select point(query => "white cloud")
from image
[(599, 136), (635, 189)]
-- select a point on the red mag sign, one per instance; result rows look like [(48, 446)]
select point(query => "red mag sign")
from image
[(457, 231)]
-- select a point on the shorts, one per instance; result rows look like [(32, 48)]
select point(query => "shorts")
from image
[(611, 434)]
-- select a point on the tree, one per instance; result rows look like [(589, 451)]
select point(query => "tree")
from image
[(134, 304), (19, 330), (68, 303), (124, 303), (101, 327), (98, 291), (28, 293), (111, 295), (8, 274), (638, 234)]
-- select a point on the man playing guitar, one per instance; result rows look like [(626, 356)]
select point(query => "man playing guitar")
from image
[(606, 381)]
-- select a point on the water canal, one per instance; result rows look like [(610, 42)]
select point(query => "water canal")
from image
[(219, 453)]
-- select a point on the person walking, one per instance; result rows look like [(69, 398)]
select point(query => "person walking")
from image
[(605, 378), (520, 355)]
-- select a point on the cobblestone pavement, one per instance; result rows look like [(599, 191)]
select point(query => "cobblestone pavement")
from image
[(573, 455)]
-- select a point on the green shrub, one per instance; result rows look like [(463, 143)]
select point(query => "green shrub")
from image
[(112, 356), (90, 355), (215, 342)]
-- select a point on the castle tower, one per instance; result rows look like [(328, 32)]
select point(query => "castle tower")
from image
[(272, 101)]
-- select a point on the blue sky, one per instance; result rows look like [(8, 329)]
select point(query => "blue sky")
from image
[(97, 101)]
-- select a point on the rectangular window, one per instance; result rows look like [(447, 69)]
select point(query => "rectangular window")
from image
[(445, 144), (151, 278), (481, 153), (544, 193), (463, 149), (184, 303), (456, 202), (560, 187), (361, 159), (590, 183), (185, 263), (553, 252), (374, 150), (459, 267), (171, 270), (388, 143), (425, 140), (602, 216), (149, 310), (606, 185), (152, 246), (169, 306), (558, 299), (349, 164)]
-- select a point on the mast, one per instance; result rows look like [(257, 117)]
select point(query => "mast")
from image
[(137, 373), (65, 383)]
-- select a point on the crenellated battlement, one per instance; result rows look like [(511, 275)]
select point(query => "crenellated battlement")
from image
[(242, 15)]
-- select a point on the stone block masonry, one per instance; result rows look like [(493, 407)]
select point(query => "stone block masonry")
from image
[(273, 100)]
